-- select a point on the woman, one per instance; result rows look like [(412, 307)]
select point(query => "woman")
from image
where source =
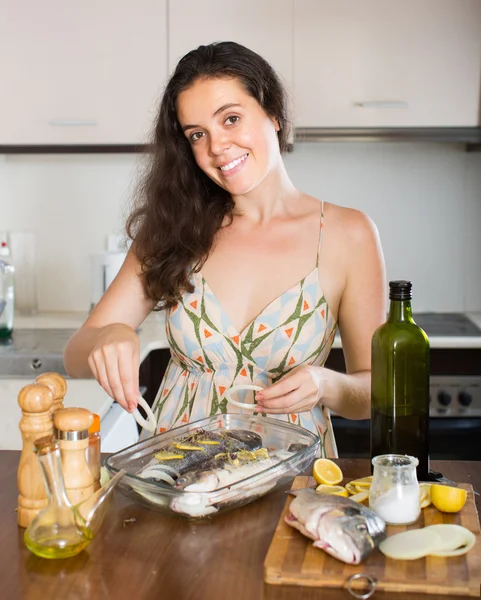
[(253, 274)]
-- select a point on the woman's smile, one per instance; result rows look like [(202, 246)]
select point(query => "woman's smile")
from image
[(234, 166)]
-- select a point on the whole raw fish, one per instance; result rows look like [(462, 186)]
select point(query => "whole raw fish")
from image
[(203, 450), (341, 527)]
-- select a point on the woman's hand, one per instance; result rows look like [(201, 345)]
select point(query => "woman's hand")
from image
[(299, 391), (115, 362)]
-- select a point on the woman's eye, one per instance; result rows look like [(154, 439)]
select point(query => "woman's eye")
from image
[(231, 120), (195, 136)]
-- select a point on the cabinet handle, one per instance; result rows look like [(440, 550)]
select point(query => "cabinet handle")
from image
[(382, 104), (73, 123)]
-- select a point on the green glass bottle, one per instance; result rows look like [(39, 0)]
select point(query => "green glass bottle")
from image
[(400, 383)]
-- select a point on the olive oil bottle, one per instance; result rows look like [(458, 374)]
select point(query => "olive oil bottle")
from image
[(400, 383)]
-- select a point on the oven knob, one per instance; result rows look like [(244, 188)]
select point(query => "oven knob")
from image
[(444, 398), (464, 398)]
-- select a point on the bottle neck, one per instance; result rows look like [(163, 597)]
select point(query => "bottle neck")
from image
[(400, 310), (51, 465)]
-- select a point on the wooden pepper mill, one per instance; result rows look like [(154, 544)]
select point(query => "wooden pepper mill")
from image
[(58, 387), (71, 427), (36, 401)]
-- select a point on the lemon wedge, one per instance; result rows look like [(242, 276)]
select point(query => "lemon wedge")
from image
[(326, 471), (333, 490), (447, 498), (425, 494)]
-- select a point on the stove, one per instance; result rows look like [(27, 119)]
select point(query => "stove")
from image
[(446, 325)]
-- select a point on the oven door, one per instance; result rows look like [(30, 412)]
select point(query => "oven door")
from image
[(450, 438)]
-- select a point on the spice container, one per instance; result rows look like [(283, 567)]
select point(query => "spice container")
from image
[(93, 451), (71, 429), (394, 492)]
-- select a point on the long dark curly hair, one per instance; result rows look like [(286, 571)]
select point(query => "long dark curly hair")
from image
[(178, 209)]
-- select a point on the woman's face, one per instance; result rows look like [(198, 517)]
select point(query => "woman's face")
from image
[(233, 140)]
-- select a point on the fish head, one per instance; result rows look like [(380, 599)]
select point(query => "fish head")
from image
[(345, 536), (345, 529)]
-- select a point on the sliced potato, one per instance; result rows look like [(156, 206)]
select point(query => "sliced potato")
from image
[(410, 545), (455, 539)]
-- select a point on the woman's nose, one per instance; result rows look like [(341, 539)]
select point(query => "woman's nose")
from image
[(219, 143)]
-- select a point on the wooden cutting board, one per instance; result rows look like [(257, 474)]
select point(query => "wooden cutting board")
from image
[(293, 560)]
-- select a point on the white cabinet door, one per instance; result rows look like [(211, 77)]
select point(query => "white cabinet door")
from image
[(387, 63), (265, 26), (85, 72)]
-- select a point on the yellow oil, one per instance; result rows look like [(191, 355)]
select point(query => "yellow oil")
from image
[(47, 545)]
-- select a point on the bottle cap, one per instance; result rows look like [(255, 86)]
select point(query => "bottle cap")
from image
[(400, 290), (95, 427)]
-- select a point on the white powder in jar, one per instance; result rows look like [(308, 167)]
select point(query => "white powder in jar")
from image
[(399, 505)]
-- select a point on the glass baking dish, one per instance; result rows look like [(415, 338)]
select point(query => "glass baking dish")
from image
[(296, 446)]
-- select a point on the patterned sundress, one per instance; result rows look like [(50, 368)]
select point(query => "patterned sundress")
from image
[(208, 354)]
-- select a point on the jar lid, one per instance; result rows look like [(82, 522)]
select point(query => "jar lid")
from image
[(95, 427)]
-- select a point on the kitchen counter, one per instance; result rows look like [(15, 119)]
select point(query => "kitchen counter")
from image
[(159, 557), (152, 331)]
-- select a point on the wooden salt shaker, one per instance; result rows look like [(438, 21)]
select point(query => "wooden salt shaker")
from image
[(71, 429), (36, 401), (57, 385)]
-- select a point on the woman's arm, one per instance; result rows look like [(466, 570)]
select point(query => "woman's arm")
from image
[(362, 308), (106, 346)]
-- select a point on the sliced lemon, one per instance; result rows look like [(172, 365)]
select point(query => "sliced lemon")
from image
[(362, 482), (326, 471), (425, 494), (351, 489), (167, 455), (447, 498), (361, 497), (186, 446), (333, 490)]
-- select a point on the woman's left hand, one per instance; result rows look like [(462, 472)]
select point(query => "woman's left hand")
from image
[(297, 392)]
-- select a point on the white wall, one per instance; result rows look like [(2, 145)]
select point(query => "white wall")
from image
[(424, 198)]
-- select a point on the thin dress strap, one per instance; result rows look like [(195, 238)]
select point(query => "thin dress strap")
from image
[(321, 225)]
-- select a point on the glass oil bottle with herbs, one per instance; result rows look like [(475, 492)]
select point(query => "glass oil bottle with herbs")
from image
[(400, 383)]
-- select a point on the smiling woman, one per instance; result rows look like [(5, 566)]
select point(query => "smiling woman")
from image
[(253, 274)]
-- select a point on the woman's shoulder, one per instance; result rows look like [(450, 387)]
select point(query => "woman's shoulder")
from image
[(350, 223)]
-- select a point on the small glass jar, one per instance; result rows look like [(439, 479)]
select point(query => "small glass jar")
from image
[(394, 492)]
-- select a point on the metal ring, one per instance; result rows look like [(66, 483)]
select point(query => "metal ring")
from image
[(372, 582)]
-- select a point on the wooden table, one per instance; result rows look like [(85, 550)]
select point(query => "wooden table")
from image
[(160, 557)]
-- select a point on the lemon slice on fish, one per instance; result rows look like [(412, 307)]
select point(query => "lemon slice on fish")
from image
[(168, 455), (186, 446), (333, 490)]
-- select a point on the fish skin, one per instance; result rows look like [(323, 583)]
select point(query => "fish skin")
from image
[(345, 529), (214, 479), (198, 500), (200, 460)]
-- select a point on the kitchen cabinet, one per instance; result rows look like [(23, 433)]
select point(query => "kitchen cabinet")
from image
[(263, 26), (385, 63), (80, 72)]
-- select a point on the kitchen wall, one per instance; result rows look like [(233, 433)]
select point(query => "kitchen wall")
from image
[(424, 198)]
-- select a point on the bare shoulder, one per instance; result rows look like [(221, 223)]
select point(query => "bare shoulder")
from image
[(352, 225)]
